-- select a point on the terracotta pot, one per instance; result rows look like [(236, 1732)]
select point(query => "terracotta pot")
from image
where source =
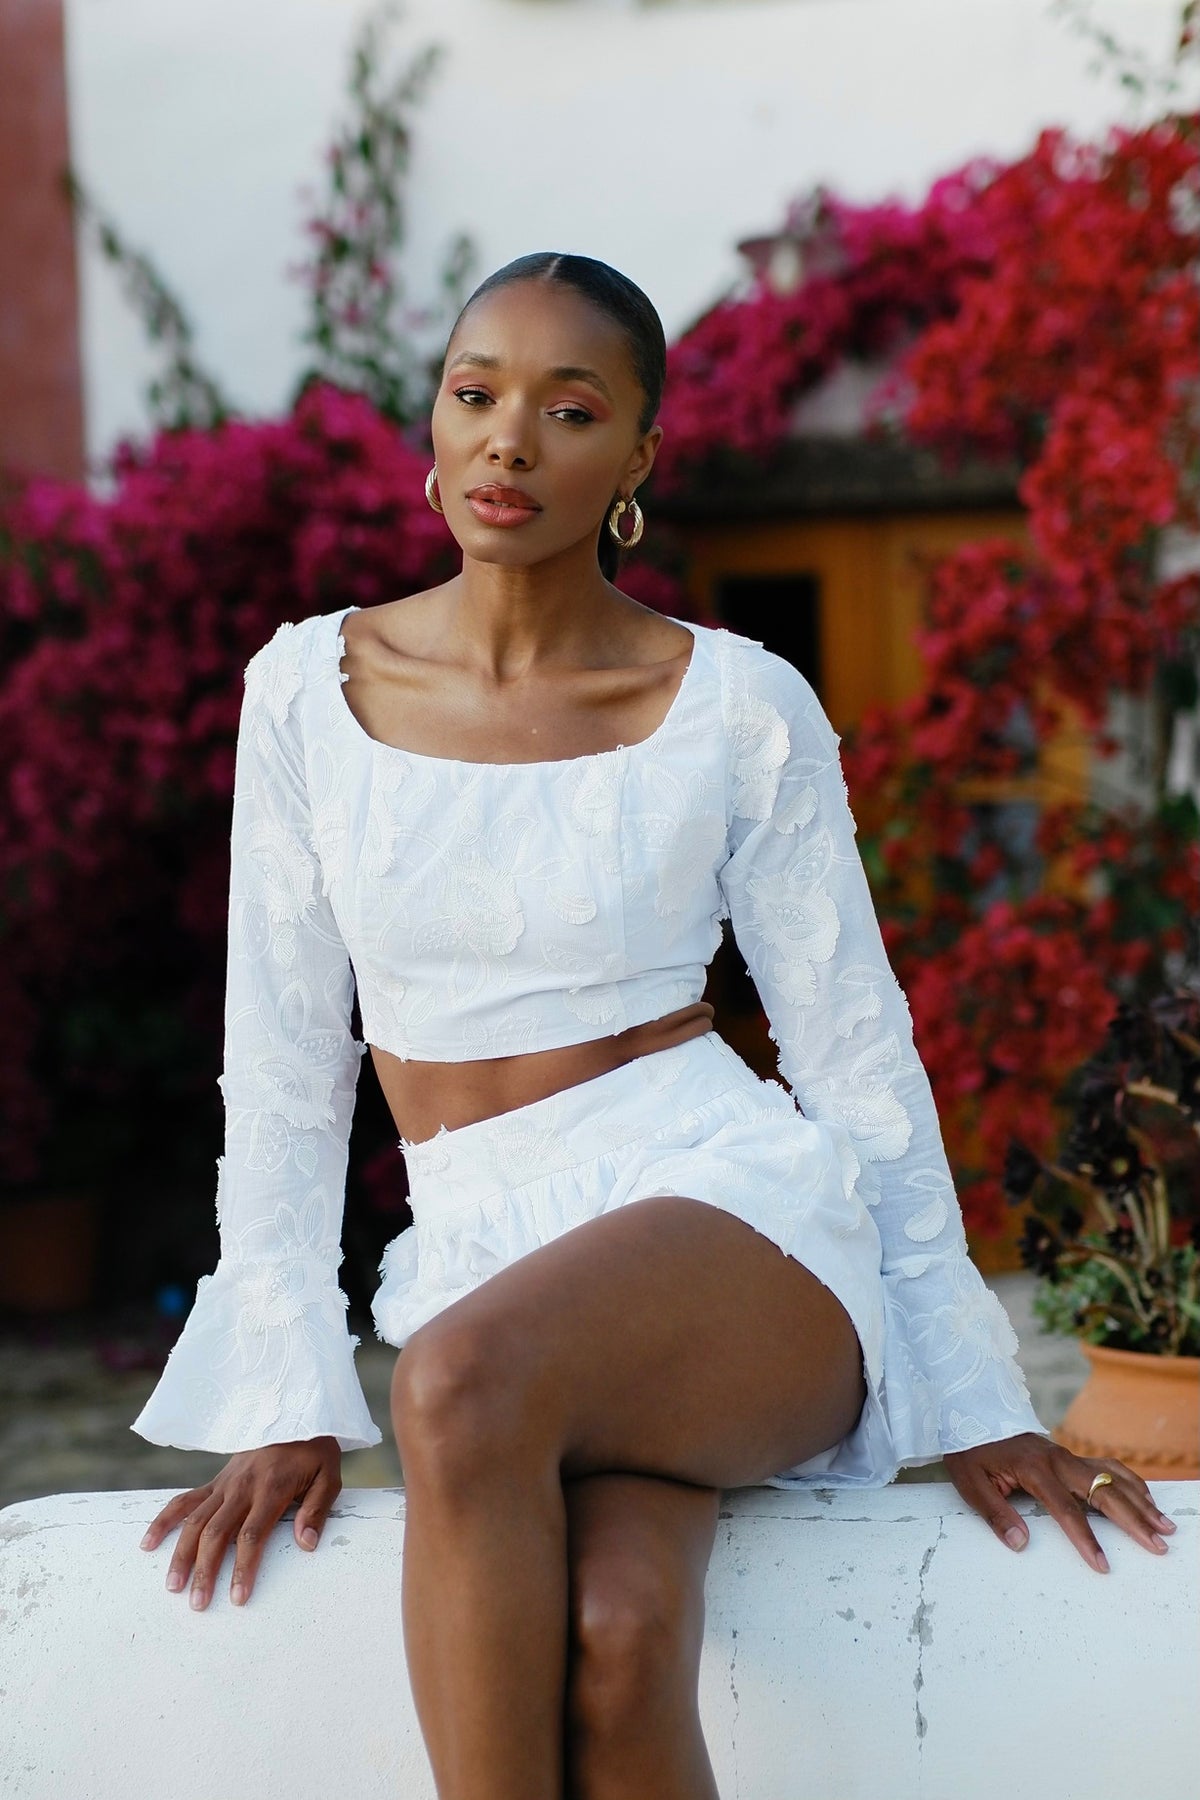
[(1143, 1409), (48, 1244)]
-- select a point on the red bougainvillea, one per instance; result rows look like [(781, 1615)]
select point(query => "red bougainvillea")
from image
[(1050, 311)]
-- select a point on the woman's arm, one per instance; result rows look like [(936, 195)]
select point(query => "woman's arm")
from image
[(804, 919), (805, 922), (265, 1356)]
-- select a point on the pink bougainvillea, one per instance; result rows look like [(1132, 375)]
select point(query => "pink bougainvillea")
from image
[(877, 276), (127, 620)]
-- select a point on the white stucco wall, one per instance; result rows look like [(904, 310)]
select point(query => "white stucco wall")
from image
[(858, 1645), (654, 137)]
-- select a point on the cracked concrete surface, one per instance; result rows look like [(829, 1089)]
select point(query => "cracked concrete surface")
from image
[(736, 1712), (817, 1605), (921, 1628)]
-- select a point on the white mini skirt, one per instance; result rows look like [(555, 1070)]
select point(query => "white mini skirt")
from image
[(693, 1120)]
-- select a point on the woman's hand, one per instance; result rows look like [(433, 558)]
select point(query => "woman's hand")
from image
[(988, 1473), (245, 1501)]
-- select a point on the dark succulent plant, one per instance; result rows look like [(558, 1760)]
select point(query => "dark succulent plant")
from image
[(1113, 1223)]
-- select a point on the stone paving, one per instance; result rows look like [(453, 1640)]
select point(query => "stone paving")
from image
[(68, 1393)]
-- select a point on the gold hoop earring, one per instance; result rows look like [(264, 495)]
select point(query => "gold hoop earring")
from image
[(639, 524), (430, 482)]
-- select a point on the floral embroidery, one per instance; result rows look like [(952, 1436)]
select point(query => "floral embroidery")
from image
[(797, 812), (520, 1152), (597, 1005), (247, 1414), (565, 895), (863, 980), (863, 1096), (979, 1320), (933, 1217), (795, 916), (383, 831), (759, 748), (593, 791), (273, 678), (266, 1298), (482, 911), (678, 841)]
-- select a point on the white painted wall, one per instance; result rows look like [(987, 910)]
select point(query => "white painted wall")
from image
[(653, 137), (857, 1645)]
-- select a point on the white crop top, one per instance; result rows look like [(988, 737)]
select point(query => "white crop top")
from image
[(488, 909)]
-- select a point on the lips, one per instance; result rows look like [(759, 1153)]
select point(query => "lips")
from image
[(496, 505), (496, 495)]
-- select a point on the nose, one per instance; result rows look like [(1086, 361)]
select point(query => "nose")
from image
[(511, 445)]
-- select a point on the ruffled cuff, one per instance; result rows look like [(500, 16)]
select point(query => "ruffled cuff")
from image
[(954, 1380), (263, 1358)]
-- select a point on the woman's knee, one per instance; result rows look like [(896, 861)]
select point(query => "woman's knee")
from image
[(636, 1631), (460, 1396)]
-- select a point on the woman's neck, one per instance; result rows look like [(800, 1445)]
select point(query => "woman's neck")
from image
[(507, 620)]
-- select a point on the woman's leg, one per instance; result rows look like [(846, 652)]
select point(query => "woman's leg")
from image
[(637, 1554), (666, 1338)]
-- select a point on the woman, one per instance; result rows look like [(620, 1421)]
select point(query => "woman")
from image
[(522, 805)]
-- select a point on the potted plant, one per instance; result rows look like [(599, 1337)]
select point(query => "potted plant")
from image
[(1113, 1231)]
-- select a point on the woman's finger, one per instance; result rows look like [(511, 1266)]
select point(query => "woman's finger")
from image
[(315, 1507), (184, 1553), (1126, 1499), (1147, 1504), (977, 1489), (176, 1509), (265, 1514), (251, 1541), (1040, 1478), (215, 1534)]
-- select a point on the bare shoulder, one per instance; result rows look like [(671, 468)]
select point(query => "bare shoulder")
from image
[(639, 637), (393, 629)]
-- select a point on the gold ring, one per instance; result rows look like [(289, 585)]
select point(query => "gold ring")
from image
[(1103, 1479)]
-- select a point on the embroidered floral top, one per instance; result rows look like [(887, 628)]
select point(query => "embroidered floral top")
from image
[(487, 909)]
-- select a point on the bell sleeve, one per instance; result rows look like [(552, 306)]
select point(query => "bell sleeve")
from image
[(805, 922), (265, 1356)]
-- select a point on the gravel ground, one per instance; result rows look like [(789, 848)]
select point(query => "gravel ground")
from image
[(68, 1390)]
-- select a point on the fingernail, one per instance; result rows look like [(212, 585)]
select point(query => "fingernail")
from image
[(146, 1542), (237, 1594), (308, 1538), (175, 1581), (1102, 1562), (1014, 1537), (1165, 1524), (197, 1600), (1159, 1543)]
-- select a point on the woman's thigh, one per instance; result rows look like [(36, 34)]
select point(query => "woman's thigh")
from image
[(665, 1338)]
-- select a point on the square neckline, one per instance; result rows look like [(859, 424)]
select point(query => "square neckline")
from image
[(456, 762)]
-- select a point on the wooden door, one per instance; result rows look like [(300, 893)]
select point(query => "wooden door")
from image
[(843, 598)]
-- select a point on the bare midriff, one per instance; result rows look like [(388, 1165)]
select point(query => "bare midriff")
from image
[(424, 1096)]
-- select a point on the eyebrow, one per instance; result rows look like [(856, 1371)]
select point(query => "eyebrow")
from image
[(564, 371)]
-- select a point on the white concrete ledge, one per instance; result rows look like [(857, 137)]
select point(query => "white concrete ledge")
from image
[(873, 1644)]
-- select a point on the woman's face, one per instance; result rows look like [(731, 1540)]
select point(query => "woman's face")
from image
[(535, 424)]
